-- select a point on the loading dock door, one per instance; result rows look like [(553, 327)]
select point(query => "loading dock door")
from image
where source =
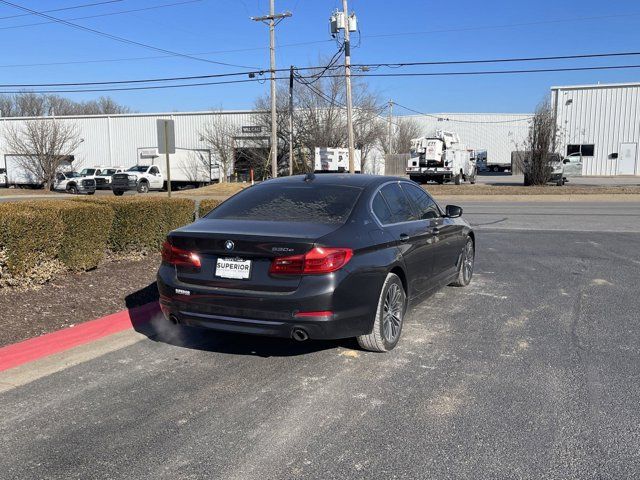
[(627, 159)]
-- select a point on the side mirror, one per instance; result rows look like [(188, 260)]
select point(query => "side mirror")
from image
[(453, 211)]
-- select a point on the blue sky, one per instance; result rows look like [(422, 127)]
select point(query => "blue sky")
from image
[(389, 33)]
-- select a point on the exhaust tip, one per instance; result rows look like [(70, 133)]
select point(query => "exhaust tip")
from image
[(173, 319), (299, 335)]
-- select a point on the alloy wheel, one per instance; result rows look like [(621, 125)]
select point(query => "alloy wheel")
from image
[(392, 312), (467, 262)]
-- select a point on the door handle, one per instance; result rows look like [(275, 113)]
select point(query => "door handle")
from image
[(404, 237)]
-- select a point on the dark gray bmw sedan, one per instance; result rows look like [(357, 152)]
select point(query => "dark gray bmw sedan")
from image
[(315, 257)]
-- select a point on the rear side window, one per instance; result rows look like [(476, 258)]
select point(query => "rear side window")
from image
[(422, 202), (398, 203), (381, 209), (319, 203)]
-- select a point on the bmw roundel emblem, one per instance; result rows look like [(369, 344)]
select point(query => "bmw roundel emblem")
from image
[(228, 245)]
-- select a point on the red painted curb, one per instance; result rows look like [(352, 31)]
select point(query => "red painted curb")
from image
[(29, 350)]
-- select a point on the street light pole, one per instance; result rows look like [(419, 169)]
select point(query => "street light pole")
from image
[(272, 20)]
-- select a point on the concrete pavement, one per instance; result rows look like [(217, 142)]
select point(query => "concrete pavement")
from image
[(531, 372)]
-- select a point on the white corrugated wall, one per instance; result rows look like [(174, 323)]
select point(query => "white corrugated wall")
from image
[(603, 115), (115, 139)]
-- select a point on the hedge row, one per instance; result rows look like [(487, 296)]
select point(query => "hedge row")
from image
[(206, 205), (76, 234), (142, 224)]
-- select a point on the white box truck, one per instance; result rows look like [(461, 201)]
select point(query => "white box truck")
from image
[(335, 160)]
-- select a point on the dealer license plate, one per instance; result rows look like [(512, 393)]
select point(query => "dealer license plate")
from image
[(236, 268)]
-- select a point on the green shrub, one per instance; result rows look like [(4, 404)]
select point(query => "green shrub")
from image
[(86, 230), (206, 205), (29, 238), (141, 224)]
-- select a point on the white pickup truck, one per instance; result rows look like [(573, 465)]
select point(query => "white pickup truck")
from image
[(140, 178)]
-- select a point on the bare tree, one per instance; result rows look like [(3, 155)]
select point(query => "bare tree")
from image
[(536, 161), (42, 146), (319, 119), (28, 104), (402, 132), (218, 134)]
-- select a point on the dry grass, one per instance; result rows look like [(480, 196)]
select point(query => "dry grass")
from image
[(215, 190), (482, 190)]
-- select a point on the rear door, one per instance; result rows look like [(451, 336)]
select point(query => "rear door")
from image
[(446, 235), (412, 234)]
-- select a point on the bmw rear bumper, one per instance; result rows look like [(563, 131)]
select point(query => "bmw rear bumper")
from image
[(268, 313)]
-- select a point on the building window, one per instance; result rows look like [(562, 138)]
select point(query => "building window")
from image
[(586, 150)]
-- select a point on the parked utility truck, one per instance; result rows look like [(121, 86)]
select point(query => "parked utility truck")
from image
[(440, 158)]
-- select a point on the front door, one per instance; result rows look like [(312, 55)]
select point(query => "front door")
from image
[(627, 159), (413, 235)]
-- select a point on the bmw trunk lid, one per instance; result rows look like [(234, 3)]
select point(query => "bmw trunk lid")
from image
[(221, 243)]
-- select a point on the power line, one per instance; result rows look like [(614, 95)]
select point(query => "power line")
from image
[(97, 15), (115, 37), (261, 72), (154, 57), (440, 117), (497, 72), (508, 25), (146, 87), (84, 5), (331, 66), (499, 60)]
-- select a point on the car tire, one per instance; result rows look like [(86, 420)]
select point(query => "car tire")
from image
[(118, 193), (560, 182), (387, 325), (465, 264), (143, 187), (91, 193), (72, 189), (456, 179)]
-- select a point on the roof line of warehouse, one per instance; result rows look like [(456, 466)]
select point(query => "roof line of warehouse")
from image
[(233, 112), (466, 113), (597, 85), (160, 114)]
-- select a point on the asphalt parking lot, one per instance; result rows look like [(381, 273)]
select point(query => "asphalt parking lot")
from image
[(531, 372)]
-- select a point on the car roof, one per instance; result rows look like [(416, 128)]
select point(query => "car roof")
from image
[(346, 179)]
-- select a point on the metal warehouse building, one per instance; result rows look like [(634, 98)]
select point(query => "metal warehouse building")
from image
[(603, 123), (129, 139)]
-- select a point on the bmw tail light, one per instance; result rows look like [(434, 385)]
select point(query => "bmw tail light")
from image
[(179, 257), (316, 261)]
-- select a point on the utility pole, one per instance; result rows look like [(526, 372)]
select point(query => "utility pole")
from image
[(291, 120), (272, 20), (390, 139), (347, 73)]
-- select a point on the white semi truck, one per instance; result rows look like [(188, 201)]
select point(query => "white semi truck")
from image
[(440, 158)]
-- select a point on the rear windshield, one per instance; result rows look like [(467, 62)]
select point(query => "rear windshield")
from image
[(326, 204)]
